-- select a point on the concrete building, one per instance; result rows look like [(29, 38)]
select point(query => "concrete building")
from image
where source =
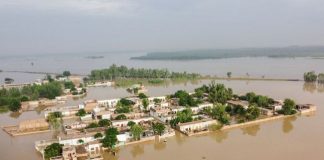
[(123, 123), (36, 124), (244, 104), (110, 103), (195, 126), (69, 153)]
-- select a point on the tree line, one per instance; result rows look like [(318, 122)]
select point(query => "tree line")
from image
[(313, 77), (13, 97), (115, 72)]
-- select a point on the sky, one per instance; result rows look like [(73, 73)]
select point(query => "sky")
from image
[(72, 26)]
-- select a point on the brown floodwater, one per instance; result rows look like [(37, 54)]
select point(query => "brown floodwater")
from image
[(299, 138)]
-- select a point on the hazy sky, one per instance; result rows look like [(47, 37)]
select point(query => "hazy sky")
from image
[(60, 26)]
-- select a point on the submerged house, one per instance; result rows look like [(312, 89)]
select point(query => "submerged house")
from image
[(196, 126), (306, 108)]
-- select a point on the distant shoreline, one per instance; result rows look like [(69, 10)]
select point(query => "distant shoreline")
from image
[(205, 54)]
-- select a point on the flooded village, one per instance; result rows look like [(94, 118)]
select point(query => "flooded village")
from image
[(96, 126)]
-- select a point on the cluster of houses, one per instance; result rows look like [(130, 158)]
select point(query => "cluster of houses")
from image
[(161, 109)]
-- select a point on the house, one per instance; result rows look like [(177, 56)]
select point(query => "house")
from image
[(205, 105), (47, 102), (94, 146), (195, 110), (305, 108), (132, 115), (123, 123), (69, 152), (29, 105), (110, 103), (161, 114), (87, 117), (244, 104), (176, 109), (75, 125), (266, 112), (162, 99), (103, 115), (196, 126), (277, 105), (66, 111), (73, 139), (35, 124), (90, 105)]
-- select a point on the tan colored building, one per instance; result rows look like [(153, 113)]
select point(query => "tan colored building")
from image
[(37, 124), (90, 105)]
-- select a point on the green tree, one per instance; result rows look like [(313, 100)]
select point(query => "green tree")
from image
[(49, 78), (66, 73), (93, 125), (136, 131), (14, 105), (80, 141), (53, 150), (157, 101), (252, 113), (55, 119), (145, 103), (81, 113), (250, 96), (219, 112), (262, 101), (229, 74), (24, 98), (110, 139), (69, 85), (158, 128), (218, 93), (131, 124), (57, 114), (289, 107), (98, 135), (120, 117), (104, 123), (310, 76), (142, 96)]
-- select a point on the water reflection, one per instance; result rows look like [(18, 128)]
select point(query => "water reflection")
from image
[(313, 87), (180, 138), (159, 145), (137, 150), (219, 136), (251, 130), (287, 125)]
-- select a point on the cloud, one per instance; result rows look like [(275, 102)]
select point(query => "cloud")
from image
[(83, 6)]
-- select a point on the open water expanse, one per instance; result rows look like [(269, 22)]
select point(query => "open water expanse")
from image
[(298, 138)]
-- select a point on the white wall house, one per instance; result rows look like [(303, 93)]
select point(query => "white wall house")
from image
[(66, 111), (74, 139), (110, 103), (196, 125), (205, 105), (123, 123)]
